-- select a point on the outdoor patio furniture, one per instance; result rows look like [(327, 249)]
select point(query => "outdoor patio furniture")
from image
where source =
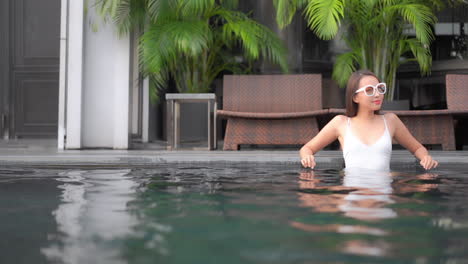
[(437, 126), (457, 103), (271, 109), (173, 116), (430, 126)]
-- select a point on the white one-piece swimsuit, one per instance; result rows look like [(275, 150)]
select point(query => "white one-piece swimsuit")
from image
[(359, 155)]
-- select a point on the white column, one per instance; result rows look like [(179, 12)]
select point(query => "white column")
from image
[(106, 84), (74, 74), (95, 81), (122, 86), (136, 90), (63, 75), (145, 112)]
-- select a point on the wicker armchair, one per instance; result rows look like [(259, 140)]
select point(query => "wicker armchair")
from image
[(437, 126), (271, 109), (430, 126), (457, 98)]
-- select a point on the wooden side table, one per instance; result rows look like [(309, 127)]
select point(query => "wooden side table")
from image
[(173, 113)]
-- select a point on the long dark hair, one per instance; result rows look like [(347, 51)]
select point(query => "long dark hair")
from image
[(353, 85)]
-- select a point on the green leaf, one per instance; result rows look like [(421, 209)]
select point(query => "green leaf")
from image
[(193, 41), (344, 66), (256, 39), (422, 55), (229, 4), (195, 8), (286, 9), (160, 9), (420, 17), (324, 16)]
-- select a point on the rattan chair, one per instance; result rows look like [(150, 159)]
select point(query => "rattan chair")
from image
[(457, 104), (430, 126), (271, 109), (437, 126)]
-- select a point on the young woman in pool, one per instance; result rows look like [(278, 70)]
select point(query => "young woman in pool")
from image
[(364, 134)]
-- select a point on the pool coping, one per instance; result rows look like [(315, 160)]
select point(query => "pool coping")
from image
[(150, 158)]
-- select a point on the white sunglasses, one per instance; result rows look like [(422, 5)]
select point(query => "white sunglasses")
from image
[(370, 90)]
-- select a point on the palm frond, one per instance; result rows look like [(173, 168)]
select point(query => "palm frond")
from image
[(229, 4), (162, 46), (154, 60), (130, 14), (374, 31), (420, 17), (157, 82), (285, 10), (272, 47), (190, 8), (421, 54), (345, 65), (190, 41), (187, 37), (256, 39), (126, 14), (123, 18), (159, 8), (107, 7), (324, 17), (439, 4), (245, 35), (389, 2), (360, 10)]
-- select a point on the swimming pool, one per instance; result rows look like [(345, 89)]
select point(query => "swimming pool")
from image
[(232, 213)]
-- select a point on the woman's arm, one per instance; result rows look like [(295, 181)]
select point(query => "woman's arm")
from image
[(404, 137), (327, 135)]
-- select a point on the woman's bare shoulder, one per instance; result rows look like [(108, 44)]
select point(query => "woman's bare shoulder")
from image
[(393, 121), (391, 117), (338, 120)]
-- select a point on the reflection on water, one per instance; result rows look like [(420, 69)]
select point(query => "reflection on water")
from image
[(369, 201), (93, 210), (234, 213), (363, 195)]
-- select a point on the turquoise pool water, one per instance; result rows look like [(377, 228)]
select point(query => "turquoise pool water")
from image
[(233, 213)]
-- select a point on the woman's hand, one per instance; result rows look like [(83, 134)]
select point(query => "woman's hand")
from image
[(428, 163), (308, 161)]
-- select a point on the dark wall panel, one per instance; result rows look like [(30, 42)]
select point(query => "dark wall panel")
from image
[(34, 68)]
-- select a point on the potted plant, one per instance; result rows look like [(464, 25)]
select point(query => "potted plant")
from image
[(192, 42), (377, 33)]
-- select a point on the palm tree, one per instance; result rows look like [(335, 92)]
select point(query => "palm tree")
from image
[(377, 32), (193, 41)]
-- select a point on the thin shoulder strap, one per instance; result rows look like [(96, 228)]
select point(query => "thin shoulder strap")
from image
[(385, 122), (349, 120)]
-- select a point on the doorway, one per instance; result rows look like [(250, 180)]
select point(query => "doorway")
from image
[(29, 68)]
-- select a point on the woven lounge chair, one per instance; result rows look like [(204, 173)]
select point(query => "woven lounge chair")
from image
[(457, 103), (436, 126), (271, 109)]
